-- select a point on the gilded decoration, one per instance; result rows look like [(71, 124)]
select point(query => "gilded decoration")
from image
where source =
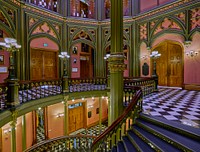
[(3, 19), (44, 28), (14, 118), (166, 24), (181, 17), (32, 21), (143, 32), (195, 18), (116, 62), (11, 13), (82, 35), (57, 28), (72, 31)]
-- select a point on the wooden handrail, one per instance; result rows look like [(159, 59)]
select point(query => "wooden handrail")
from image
[(47, 142), (120, 118)]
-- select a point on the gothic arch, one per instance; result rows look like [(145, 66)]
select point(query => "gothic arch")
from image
[(39, 25), (168, 29)]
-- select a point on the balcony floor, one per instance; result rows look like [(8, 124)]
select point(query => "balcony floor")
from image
[(174, 104)]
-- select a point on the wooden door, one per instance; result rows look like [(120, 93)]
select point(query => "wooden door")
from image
[(76, 120), (161, 65), (43, 64), (50, 65), (169, 65), (36, 65), (175, 68), (84, 67)]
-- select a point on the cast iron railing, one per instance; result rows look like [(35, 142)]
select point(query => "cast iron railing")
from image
[(121, 125), (64, 143), (32, 90)]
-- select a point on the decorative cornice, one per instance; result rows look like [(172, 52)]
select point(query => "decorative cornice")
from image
[(105, 22), (161, 9)]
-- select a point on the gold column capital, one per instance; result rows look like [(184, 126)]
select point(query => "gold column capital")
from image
[(116, 62)]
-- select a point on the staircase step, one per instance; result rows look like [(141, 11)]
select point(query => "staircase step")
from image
[(128, 145), (140, 143), (114, 149), (189, 131), (161, 144), (176, 139), (120, 147)]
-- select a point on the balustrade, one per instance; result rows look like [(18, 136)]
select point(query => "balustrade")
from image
[(119, 127), (48, 4), (64, 143), (91, 84)]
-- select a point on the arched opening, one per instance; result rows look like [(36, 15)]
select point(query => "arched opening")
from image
[(82, 61), (170, 64), (43, 59)]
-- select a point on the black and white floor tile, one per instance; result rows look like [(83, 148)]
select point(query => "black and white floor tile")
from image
[(174, 104)]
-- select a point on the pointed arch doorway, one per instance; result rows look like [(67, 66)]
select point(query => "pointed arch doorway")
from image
[(170, 64)]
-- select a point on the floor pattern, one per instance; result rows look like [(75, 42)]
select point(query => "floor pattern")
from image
[(174, 104)]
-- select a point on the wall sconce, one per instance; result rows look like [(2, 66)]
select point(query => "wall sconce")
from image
[(90, 106), (144, 57), (192, 53), (7, 131), (11, 46), (59, 115), (107, 56)]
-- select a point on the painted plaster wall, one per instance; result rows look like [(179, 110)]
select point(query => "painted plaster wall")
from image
[(29, 129), (39, 43), (191, 64), (55, 124), (77, 64), (5, 54), (144, 5)]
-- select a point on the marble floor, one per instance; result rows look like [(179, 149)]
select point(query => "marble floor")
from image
[(174, 104)]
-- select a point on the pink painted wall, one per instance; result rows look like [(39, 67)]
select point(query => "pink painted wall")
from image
[(55, 130), (6, 138), (95, 103), (39, 43), (77, 64), (29, 129), (5, 54), (19, 135), (144, 5), (191, 64), (144, 58)]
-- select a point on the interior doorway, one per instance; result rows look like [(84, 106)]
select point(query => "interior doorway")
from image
[(76, 117), (43, 64), (170, 64)]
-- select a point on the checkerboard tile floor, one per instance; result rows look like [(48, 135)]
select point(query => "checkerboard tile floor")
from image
[(174, 104)]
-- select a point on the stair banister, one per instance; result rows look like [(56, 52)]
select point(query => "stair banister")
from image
[(119, 123)]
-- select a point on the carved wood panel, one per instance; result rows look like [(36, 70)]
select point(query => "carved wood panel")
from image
[(43, 64), (169, 65)]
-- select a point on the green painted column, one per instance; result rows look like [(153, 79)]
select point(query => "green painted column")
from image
[(116, 61), (66, 125), (24, 132), (100, 114), (13, 131)]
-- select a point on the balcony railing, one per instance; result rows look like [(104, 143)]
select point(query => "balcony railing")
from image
[(32, 90), (121, 125), (64, 143), (107, 139)]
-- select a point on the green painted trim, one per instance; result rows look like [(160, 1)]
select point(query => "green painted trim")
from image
[(24, 132)]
